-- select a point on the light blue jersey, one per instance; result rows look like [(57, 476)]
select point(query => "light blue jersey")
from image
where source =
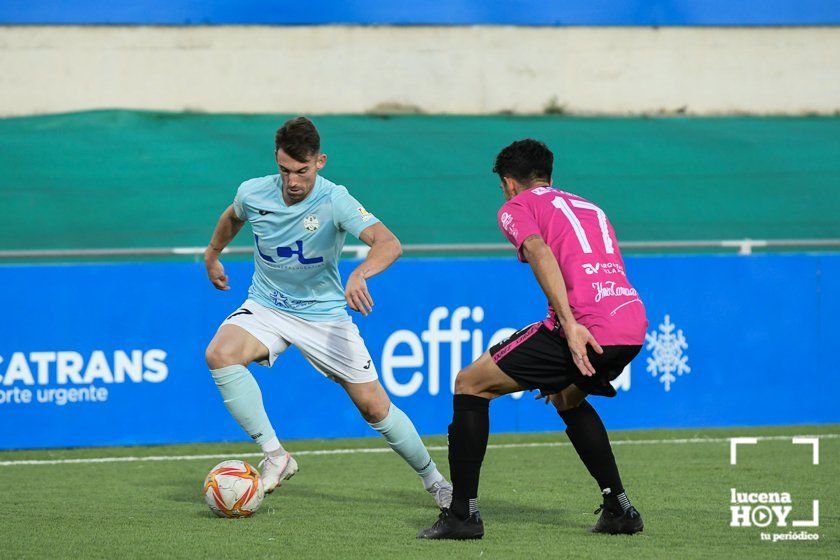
[(298, 246)]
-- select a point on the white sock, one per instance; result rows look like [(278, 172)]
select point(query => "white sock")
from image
[(273, 447), (431, 478)]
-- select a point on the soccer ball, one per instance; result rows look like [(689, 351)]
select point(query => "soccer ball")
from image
[(233, 489)]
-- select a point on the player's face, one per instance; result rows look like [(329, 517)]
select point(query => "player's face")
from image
[(298, 176)]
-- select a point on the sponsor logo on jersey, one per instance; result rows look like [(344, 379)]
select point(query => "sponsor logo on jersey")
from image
[(603, 268), (311, 223), (508, 225), (288, 252), (609, 289), (287, 302), (265, 212)]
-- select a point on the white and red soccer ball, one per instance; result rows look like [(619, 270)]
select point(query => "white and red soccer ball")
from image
[(233, 489)]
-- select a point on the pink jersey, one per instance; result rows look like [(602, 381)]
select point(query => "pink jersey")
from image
[(584, 244)]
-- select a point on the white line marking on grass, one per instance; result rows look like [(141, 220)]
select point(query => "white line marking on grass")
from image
[(153, 458)]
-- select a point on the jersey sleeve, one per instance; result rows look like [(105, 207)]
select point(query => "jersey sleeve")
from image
[(517, 223), (238, 206), (349, 215)]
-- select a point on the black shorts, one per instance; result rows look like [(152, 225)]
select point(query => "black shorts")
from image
[(537, 358)]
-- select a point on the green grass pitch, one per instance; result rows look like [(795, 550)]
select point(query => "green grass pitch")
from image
[(537, 501)]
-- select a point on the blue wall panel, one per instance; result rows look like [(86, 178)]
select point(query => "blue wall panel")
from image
[(758, 331), (416, 12)]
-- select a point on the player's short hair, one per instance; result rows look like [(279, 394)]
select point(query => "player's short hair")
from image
[(299, 138), (525, 160)]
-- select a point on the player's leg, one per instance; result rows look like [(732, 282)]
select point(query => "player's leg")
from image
[(336, 350), (235, 345), (475, 386), (398, 430), (589, 437), (231, 349)]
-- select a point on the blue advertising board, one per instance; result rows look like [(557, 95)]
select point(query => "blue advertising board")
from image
[(417, 12), (114, 354)]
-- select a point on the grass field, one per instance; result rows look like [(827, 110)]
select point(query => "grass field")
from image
[(536, 497)]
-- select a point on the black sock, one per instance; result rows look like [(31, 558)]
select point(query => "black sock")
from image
[(589, 438), (468, 434)]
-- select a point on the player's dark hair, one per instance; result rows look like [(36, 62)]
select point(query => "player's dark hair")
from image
[(299, 138), (525, 160)]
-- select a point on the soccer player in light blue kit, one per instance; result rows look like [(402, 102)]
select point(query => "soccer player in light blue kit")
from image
[(300, 220)]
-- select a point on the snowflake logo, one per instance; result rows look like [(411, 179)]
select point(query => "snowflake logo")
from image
[(667, 357)]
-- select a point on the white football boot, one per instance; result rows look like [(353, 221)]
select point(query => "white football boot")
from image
[(275, 470), (442, 492)]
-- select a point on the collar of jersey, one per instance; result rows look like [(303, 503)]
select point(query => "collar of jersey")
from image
[(523, 193)]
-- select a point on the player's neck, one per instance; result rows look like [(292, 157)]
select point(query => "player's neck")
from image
[(532, 185)]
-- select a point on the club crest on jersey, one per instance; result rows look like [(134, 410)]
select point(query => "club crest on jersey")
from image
[(311, 223)]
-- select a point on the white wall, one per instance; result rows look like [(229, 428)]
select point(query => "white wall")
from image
[(340, 69)]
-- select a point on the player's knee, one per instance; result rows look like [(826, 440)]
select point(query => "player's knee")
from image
[(563, 402), (462, 383), (465, 383), (219, 356), (374, 412)]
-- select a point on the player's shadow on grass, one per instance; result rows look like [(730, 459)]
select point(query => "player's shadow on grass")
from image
[(368, 499), (504, 511), (418, 506), (420, 509)]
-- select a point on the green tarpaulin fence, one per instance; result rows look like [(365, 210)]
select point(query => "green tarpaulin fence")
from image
[(146, 179)]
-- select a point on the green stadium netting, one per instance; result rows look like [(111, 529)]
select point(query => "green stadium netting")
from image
[(107, 179)]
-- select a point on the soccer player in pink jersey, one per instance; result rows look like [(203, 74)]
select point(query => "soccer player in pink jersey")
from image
[(595, 326)]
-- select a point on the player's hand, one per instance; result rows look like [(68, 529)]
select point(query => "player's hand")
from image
[(216, 274), (578, 338), (357, 295)]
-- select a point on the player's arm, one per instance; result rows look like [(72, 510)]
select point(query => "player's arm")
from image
[(226, 229), (385, 248), (548, 274)]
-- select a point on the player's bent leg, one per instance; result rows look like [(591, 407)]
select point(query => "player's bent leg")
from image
[(475, 386), (469, 431), (483, 378), (567, 399), (369, 398), (398, 430), (228, 353), (233, 345), (589, 437)]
